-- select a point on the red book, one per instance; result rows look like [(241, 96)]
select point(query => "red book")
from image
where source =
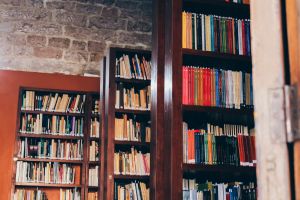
[(184, 80), (204, 77), (244, 38), (209, 88), (189, 85), (230, 36), (241, 147), (253, 150), (192, 86), (191, 146)]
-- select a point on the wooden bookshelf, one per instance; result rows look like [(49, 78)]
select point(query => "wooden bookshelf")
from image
[(109, 81), (167, 53), (82, 166)]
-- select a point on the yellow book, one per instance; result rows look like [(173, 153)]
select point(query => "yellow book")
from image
[(207, 33), (210, 160), (183, 29)]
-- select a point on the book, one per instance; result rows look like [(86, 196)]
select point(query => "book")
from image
[(93, 176), (132, 163), (96, 106), (133, 67), (28, 194), (228, 144), (51, 124), (134, 190), (195, 190), (130, 129), (57, 102), (69, 194), (95, 128), (50, 149), (92, 195), (94, 151), (216, 33), (216, 87)]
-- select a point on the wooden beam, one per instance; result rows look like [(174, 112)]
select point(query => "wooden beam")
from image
[(293, 30), (273, 173)]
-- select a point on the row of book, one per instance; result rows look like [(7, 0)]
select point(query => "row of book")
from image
[(50, 148), (69, 194), (94, 151), (93, 176), (132, 98), (22, 194), (134, 191), (230, 144), (92, 196), (216, 33), (53, 102), (132, 163), (95, 128), (56, 125), (130, 129), (218, 88), (133, 67), (41, 172), (221, 191), (238, 1)]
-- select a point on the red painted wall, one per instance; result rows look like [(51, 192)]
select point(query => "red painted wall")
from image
[(10, 82)]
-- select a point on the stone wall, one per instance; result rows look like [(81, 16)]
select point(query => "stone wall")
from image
[(69, 36)]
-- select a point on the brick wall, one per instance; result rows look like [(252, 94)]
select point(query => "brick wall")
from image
[(69, 36)]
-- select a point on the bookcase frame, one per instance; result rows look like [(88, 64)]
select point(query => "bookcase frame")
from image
[(168, 35), (85, 163), (108, 91)]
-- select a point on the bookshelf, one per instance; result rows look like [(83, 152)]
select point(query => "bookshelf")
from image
[(113, 145), (168, 35), (56, 137)]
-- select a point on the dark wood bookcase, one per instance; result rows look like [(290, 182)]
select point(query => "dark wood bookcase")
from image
[(109, 80), (168, 57), (82, 165)]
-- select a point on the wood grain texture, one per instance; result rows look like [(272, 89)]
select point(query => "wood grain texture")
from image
[(273, 174)]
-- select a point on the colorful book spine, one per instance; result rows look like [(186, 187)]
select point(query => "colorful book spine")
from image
[(51, 124), (50, 149), (69, 194), (134, 190), (216, 145), (193, 190), (133, 67), (28, 194), (216, 34), (216, 88), (92, 195)]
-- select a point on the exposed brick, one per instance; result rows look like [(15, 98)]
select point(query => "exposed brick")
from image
[(76, 56), (22, 50), (68, 18), (69, 6), (24, 14), (138, 26), (90, 9), (47, 52), (38, 28), (132, 5), (130, 14), (134, 38), (110, 12), (78, 45), (32, 3), (96, 57), (36, 40), (113, 23), (16, 39), (96, 46), (59, 42), (11, 2)]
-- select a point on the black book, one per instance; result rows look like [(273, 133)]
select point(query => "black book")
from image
[(199, 32)]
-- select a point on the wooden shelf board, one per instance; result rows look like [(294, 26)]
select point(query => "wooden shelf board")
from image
[(131, 143), (47, 185), (51, 113), (49, 136), (215, 55), (131, 177), (218, 168), (93, 187), (196, 108), (133, 81), (130, 111), (94, 139), (94, 162), (50, 160)]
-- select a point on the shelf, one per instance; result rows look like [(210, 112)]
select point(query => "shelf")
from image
[(219, 169), (94, 139), (48, 136), (131, 177), (51, 113), (130, 111), (93, 187), (50, 160), (217, 7), (94, 162), (47, 185), (132, 143), (208, 109), (215, 55), (133, 81)]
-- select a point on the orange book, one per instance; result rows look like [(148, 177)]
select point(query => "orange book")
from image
[(210, 157), (191, 146), (183, 29)]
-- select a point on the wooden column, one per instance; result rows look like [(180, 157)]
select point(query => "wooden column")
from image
[(273, 173), (293, 34)]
